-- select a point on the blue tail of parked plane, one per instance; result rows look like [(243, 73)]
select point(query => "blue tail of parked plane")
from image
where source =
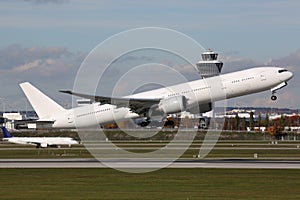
[(6, 134)]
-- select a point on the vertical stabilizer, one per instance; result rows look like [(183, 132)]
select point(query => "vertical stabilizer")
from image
[(44, 107), (6, 134)]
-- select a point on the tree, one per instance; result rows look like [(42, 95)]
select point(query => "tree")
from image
[(225, 126), (244, 124), (251, 122), (236, 121), (282, 122), (259, 121), (231, 124), (275, 131), (289, 123), (267, 121)]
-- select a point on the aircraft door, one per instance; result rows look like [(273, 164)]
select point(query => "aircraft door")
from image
[(262, 76), (70, 117), (224, 85), (227, 91)]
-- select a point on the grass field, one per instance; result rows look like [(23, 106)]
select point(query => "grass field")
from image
[(228, 149), (163, 184)]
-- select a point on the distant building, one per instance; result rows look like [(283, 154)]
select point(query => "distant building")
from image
[(13, 116), (10, 119), (240, 112)]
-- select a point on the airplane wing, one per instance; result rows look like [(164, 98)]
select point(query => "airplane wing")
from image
[(33, 143), (139, 106), (39, 144)]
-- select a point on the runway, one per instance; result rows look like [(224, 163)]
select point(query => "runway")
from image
[(118, 163)]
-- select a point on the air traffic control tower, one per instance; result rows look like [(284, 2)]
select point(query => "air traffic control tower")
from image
[(209, 65)]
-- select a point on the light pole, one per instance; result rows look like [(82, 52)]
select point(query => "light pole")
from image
[(3, 104)]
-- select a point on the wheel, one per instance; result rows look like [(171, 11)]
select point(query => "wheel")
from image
[(274, 98)]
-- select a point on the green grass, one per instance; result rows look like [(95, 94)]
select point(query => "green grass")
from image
[(282, 150), (163, 184), (29, 152)]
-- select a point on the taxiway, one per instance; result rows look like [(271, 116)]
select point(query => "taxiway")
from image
[(128, 163)]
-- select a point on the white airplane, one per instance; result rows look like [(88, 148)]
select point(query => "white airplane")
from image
[(56, 116), (201, 93), (42, 142)]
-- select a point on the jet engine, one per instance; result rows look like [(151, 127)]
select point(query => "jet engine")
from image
[(173, 104), (42, 145), (201, 108)]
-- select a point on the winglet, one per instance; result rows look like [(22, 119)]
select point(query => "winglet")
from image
[(6, 133)]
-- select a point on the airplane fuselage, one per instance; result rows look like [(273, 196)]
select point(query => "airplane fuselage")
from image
[(91, 115), (42, 141), (222, 87)]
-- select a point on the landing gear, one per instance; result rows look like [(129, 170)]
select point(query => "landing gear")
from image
[(273, 98), (145, 123), (278, 87)]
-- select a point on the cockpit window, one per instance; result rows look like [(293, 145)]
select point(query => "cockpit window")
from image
[(282, 70)]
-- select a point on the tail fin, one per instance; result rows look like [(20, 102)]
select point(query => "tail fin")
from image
[(6, 134), (45, 107)]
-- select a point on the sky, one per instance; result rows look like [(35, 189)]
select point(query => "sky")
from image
[(46, 41)]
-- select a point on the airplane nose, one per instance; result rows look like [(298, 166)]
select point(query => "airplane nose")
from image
[(289, 75), (284, 75)]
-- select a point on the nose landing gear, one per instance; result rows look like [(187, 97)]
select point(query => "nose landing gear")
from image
[(273, 97), (278, 87)]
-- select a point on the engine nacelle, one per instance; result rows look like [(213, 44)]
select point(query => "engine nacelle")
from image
[(173, 104), (43, 145), (201, 108)]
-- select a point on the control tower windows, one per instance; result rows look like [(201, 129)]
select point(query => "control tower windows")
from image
[(209, 56)]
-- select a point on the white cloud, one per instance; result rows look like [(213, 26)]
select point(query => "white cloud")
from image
[(290, 60), (234, 63), (46, 1), (25, 67), (49, 68)]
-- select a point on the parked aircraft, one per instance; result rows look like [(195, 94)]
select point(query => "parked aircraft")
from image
[(86, 116), (39, 142), (201, 93)]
